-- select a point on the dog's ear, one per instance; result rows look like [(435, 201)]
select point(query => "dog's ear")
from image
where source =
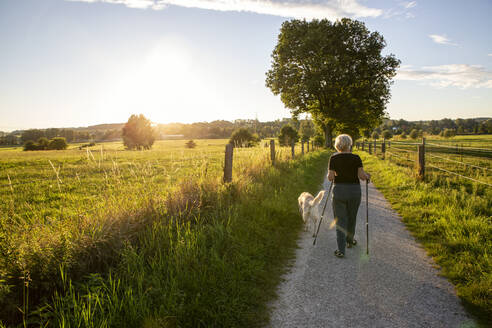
[(319, 197)]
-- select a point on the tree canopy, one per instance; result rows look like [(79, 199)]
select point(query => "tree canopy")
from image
[(138, 133), (288, 136), (243, 138), (335, 71)]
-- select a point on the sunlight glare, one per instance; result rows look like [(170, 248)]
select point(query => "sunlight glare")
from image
[(164, 85)]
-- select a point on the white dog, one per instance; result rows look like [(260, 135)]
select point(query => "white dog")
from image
[(310, 208)]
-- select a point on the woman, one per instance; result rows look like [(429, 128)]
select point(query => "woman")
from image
[(345, 170)]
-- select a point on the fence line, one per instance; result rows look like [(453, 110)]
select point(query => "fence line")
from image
[(462, 176), (399, 156), (407, 150), (421, 158), (452, 160), (462, 148), (406, 143)]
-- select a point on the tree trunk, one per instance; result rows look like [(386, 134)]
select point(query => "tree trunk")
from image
[(328, 137)]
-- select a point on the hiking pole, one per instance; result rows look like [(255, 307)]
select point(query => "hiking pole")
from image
[(322, 214), (367, 216)]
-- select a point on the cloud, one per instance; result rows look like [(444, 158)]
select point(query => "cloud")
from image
[(441, 39), (402, 11), (489, 55), (455, 75), (331, 9), (408, 4)]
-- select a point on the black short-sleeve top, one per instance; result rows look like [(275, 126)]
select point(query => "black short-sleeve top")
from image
[(346, 165)]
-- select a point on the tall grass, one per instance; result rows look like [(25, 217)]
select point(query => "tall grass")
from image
[(452, 218), (140, 242)]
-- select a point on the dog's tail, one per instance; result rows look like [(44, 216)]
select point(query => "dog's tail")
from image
[(318, 198)]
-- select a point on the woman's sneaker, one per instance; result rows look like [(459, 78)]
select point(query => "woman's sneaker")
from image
[(339, 254), (351, 244)]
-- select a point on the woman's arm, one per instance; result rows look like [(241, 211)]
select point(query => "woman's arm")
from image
[(331, 175), (363, 175)]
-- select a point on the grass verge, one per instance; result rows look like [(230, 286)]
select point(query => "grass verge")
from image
[(452, 220), (215, 267)]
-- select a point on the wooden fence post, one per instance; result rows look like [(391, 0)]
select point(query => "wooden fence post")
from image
[(293, 149), (272, 151), (302, 147), (421, 164), (363, 144), (375, 147), (228, 163), (383, 148), (389, 144), (308, 146), (370, 148)]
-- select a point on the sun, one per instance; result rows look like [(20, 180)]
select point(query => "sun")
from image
[(165, 85)]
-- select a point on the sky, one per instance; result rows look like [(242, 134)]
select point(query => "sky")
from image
[(70, 63)]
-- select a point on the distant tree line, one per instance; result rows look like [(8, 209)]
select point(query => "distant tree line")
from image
[(444, 128), (56, 143), (224, 129), (70, 135)]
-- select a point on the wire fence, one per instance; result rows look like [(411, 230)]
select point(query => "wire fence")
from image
[(469, 163)]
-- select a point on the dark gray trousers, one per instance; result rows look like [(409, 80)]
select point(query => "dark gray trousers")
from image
[(345, 204)]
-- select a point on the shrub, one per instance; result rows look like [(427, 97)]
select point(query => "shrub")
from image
[(190, 144), (243, 138), (403, 135), (448, 133), (387, 134), (319, 140), (288, 136), (43, 143), (375, 135), (30, 145), (58, 143), (414, 134)]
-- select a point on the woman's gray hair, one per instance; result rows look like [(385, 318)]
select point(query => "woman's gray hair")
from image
[(343, 142)]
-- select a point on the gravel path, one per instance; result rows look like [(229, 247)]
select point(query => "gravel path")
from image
[(396, 286)]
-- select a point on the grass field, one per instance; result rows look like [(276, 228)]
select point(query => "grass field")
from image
[(129, 238), (449, 215)]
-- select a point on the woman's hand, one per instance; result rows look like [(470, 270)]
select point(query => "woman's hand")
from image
[(331, 175), (363, 175)]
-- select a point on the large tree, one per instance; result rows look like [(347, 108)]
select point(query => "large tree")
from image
[(138, 133), (335, 71)]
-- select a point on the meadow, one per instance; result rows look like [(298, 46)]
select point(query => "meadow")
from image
[(450, 215), (101, 236)]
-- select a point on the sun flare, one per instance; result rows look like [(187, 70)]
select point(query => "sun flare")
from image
[(164, 84)]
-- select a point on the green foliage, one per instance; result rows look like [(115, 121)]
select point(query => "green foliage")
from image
[(317, 69), (319, 140), (448, 133), (57, 143), (138, 133), (403, 135), (190, 144), (375, 135), (243, 138), (306, 130), (288, 136), (387, 134), (451, 219), (414, 134)]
